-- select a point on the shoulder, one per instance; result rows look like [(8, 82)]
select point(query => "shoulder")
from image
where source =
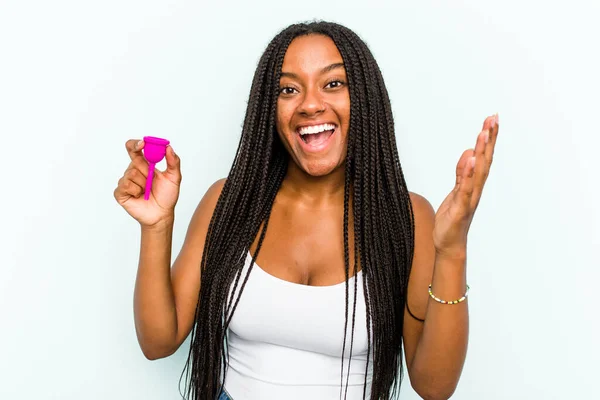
[(212, 194), (206, 206), (424, 221), (216, 188), (422, 209), (424, 215), (424, 253)]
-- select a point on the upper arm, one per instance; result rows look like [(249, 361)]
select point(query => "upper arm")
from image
[(185, 274), (420, 275)]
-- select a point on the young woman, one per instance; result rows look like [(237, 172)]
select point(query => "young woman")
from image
[(307, 269)]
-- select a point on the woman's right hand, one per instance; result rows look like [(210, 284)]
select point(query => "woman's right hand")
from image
[(165, 187)]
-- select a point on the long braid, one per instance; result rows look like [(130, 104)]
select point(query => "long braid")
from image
[(357, 65), (359, 111), (374, 191)]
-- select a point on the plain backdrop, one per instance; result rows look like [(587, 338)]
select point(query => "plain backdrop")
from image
[(79, 78)]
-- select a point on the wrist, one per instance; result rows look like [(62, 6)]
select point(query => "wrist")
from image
[(457, 253), (163, 224), (449, 278)]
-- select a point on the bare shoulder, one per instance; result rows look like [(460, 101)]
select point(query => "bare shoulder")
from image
[(424, 220), (424, 251), (421, 206), (204, 210), (202, 215), (213, 192)]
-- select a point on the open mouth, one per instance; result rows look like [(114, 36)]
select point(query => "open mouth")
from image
[(317, 135)]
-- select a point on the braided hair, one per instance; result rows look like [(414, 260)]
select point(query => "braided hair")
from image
[(374, 185)]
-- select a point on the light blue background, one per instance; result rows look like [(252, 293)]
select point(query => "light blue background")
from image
[(79, 78)]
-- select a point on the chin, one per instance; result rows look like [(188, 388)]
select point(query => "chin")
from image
[(319, 168)]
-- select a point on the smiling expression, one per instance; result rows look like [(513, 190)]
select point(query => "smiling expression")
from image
[(313, 107)]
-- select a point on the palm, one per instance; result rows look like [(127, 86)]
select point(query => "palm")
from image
[(454, 216)]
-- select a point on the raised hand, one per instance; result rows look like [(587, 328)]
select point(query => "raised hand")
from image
[(453, 218), (165, 186)]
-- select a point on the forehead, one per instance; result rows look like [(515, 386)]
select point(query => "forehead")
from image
[(310, 53)]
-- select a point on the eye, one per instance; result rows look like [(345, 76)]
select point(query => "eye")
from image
[(334, 84), (287, 90)]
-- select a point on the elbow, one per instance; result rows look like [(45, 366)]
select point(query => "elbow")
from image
[(435, 392), (155, 354), (150, 355), (431, 386), (155, 347)]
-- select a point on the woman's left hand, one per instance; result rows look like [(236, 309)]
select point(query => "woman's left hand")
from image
[(453, 218)]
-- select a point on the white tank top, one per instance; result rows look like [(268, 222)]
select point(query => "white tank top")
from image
[(285, 340)]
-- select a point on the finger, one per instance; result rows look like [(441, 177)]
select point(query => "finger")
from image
[(127, 189), (481, 168), (487, 123), (465, 188), (462, 162), (491, 145), (135, 175), (134, 148), (141, 165), (173, 164)]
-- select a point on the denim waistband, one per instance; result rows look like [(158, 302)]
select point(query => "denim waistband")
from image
[(224, 395)]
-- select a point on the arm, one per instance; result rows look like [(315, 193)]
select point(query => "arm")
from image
[(165, 298), (436, 347)]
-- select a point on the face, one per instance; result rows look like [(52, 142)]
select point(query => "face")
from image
[(313, 107)]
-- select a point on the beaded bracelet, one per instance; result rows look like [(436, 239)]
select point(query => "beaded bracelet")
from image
[(449, 302)]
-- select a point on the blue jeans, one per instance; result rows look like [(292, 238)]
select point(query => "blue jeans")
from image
[(224, 395)]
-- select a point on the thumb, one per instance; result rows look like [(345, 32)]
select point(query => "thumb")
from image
[(173, 163)]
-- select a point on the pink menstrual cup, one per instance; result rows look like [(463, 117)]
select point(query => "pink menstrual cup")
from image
[(154, 151)]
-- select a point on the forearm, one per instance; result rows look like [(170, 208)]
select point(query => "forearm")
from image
[(441, 351), (154, 305)]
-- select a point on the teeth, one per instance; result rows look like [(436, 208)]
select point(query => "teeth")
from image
[(311, 130)]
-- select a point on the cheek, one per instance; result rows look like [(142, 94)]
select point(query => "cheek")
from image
[(281, 125), (342, 109), (344, 115), (283, 119)]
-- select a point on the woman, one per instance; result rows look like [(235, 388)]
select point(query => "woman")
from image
[(304, 272)]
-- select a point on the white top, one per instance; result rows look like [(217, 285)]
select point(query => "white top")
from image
[(285, 340)]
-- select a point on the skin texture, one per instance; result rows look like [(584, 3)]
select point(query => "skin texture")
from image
[(304, 242)]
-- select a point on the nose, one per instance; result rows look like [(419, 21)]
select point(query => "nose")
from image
[(312, 103)]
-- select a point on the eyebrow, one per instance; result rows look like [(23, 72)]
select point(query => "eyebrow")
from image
[(323, 71)]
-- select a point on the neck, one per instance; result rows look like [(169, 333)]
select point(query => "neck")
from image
[(314, 191)]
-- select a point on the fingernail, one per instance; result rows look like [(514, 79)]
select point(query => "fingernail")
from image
[(472, 162), (137, 146), (493, 123), (487, 134), (497, 119)]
